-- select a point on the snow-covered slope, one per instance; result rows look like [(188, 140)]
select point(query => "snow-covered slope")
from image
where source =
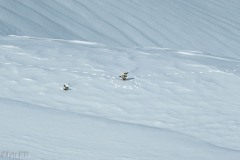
[(210, 26), (180, 102), (52, 134), (102, 117)]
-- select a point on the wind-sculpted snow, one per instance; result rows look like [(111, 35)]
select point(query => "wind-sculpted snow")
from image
[(188, 92), (43, 133), (180, 100), (210, 26)]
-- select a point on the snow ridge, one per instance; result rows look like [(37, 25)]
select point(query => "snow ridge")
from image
[(172, 24), (180, 101)]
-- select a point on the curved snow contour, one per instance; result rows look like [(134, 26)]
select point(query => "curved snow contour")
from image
[(164, 87), (209, 26), (48, 134)]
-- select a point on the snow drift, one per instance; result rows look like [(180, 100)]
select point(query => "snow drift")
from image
[(189, 93), (181, 101), (210, 26)]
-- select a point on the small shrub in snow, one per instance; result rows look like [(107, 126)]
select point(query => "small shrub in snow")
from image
[(124, 76), (65, 87)]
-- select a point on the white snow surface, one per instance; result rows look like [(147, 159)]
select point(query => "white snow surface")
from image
[(181, 101), (210, 26)]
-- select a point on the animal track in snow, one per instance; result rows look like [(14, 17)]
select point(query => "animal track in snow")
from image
[(28, 79), (128, 84), (74, 71)]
